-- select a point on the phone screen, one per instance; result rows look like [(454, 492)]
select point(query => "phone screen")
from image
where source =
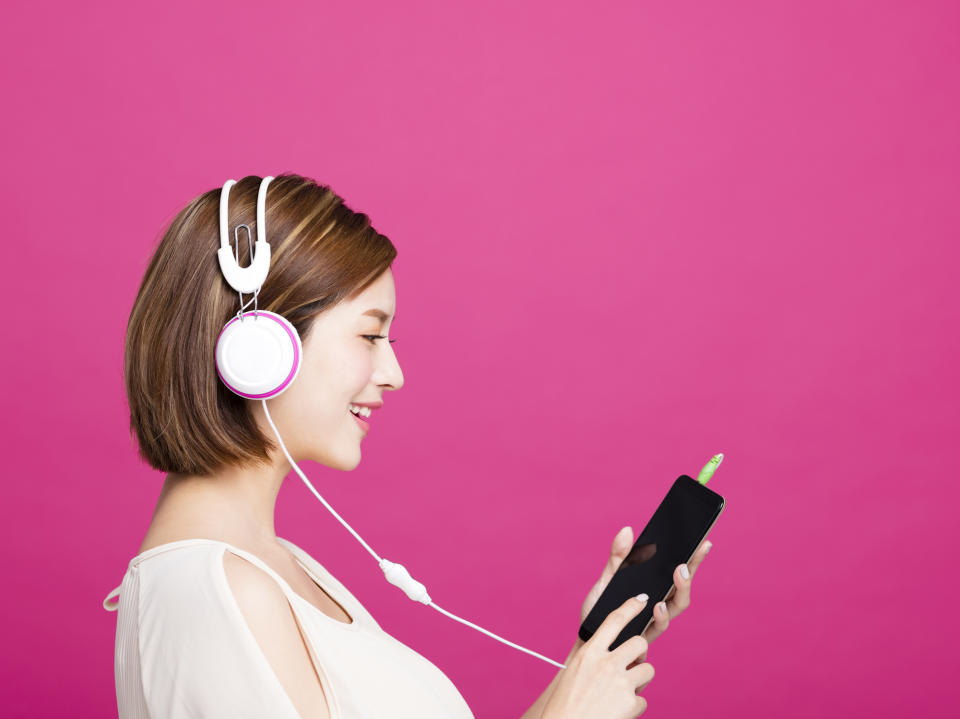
[(670, 538)]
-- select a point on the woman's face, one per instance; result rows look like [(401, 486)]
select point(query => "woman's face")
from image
[(340, 366)]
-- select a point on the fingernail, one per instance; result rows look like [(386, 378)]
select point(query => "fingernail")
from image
[(642, 597), (684, 572), (662, 607), (706, 547)]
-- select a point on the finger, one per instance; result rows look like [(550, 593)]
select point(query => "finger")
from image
[(636, 662), (622, 543), (678, 598), (699, 555), (631, 651), (616, 620), (661, 620), (641, 675)]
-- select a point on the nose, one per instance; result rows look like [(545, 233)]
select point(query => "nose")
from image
[(389, 374)]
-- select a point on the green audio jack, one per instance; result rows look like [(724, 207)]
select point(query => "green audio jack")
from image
[(709, 468)]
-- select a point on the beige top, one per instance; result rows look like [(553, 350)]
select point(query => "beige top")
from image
[(183, 648)]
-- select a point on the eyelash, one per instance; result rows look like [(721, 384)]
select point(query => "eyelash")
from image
[(375, 338)]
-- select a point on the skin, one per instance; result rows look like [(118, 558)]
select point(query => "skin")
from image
[(664, 611), (340, 366), (662, 614), (238, 505)]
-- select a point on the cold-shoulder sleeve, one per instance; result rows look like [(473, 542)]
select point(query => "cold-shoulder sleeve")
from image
[(184, 649)]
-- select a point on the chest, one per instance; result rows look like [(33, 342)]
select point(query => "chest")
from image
[(304, 585)]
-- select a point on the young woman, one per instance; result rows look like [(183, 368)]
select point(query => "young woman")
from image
[(220, 617)]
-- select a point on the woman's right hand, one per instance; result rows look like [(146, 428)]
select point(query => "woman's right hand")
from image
[(597, 683)]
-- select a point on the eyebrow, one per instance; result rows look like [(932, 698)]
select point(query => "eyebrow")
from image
[(379, 314)]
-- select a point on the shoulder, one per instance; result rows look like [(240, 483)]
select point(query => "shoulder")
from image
[(182, 581), (197, 654), (272, 622), (250, 585)]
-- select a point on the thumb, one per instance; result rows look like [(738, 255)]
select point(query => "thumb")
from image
[(622, 542), (618, 552)]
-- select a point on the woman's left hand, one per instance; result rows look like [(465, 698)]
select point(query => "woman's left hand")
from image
[(664, 611)]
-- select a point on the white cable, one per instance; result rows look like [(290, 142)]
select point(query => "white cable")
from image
[(396, 574)]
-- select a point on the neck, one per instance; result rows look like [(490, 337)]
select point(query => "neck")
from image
[(237, 504)]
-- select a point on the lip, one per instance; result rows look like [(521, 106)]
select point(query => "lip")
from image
[(364, 425)]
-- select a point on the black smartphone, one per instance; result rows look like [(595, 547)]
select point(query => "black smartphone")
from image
[(670, 538)]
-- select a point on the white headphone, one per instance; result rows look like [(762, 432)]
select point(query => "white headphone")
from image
[(259, 357)]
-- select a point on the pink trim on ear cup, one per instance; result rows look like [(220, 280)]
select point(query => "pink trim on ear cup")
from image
[(296, 356)]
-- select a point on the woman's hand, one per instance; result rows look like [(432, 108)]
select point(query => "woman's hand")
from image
[(601, 684), (680, 600), (663, 612)]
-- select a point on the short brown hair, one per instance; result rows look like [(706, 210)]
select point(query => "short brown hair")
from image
[(185, 420)]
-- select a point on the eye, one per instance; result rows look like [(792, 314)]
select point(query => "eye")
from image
[(373, 338)]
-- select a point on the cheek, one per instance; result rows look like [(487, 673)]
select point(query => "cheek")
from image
[(356, 369), (361, 365)]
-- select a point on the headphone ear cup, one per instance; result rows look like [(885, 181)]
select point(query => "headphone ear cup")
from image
[(259, 356)]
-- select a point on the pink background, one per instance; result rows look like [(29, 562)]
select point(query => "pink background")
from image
[(631, 234)]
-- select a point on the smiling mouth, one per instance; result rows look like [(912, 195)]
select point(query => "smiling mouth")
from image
[(365, 424)]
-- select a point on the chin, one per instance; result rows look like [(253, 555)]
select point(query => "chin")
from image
[(345, 461), (352, 465)]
